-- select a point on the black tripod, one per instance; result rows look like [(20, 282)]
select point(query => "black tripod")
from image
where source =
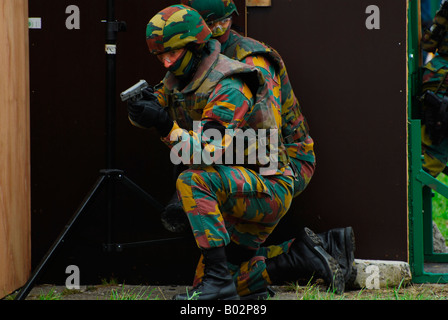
[(109, 176)]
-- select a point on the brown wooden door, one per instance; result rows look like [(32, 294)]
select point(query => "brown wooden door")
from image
[(350, 78), (15, 186)]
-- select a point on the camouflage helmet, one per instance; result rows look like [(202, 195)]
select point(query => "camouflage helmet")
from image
[(174, 27), (212, 10)]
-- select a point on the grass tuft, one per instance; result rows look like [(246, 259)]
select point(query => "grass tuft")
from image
[(133, 294), (440, 209), (50, 295)]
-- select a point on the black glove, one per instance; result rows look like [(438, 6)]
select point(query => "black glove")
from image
[(148, 113), (174, 218)]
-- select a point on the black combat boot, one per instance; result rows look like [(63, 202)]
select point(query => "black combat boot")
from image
[(306, 259), (217, 283), (340, 244)]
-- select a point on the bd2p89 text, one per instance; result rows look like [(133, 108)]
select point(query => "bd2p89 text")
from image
[(245, 309)]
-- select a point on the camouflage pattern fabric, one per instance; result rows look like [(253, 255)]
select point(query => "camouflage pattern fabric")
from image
[(295, 130), (233, 203), (251, 276), (217, 94), (212, 10), (435, 157), (435, 38), (174, 28), (226, 203)]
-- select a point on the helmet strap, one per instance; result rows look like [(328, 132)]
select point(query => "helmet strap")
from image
[(191, 60), (223, 38)]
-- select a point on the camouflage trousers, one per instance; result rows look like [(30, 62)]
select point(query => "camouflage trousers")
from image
[(250, 276), (233, 203), (305, 171), (242, 213)]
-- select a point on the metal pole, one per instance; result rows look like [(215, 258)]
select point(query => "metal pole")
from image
[(112, 29), (110, 49), (111, 45)]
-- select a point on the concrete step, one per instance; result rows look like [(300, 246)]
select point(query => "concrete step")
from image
[(380, 274)]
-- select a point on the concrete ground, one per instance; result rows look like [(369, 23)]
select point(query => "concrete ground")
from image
[(375, 280), (317, 292)]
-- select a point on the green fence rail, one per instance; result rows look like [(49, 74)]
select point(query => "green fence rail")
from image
[(421, 184)]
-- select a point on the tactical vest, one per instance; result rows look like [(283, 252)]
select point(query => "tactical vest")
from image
[(435, 38), (433, 74), (295, 130), (187, 105), (434, 109)]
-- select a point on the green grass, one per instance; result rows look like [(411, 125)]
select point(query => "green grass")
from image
[(440, 209), (137, 293), (409, 292), (50, 295), (293, 291), (123, 293), (133, 294)]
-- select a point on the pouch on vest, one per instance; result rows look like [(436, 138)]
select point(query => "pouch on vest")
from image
[(435, 116)]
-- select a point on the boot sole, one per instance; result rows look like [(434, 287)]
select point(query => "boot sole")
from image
[(337, 282), (259, 295), (185, 297), (236, 297)]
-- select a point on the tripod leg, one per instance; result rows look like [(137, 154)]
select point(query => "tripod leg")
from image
[(29, 284), (142, 193)]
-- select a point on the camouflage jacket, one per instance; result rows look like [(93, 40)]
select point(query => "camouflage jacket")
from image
[(435, 38), (232, 97), (295, 128), (433, 74)]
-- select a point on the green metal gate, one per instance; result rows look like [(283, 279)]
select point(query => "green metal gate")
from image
[(426, 265)]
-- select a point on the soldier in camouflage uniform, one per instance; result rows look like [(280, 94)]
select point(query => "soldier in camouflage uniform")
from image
[(295, 132), (217, 14), (225, 203), (435, 40)]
